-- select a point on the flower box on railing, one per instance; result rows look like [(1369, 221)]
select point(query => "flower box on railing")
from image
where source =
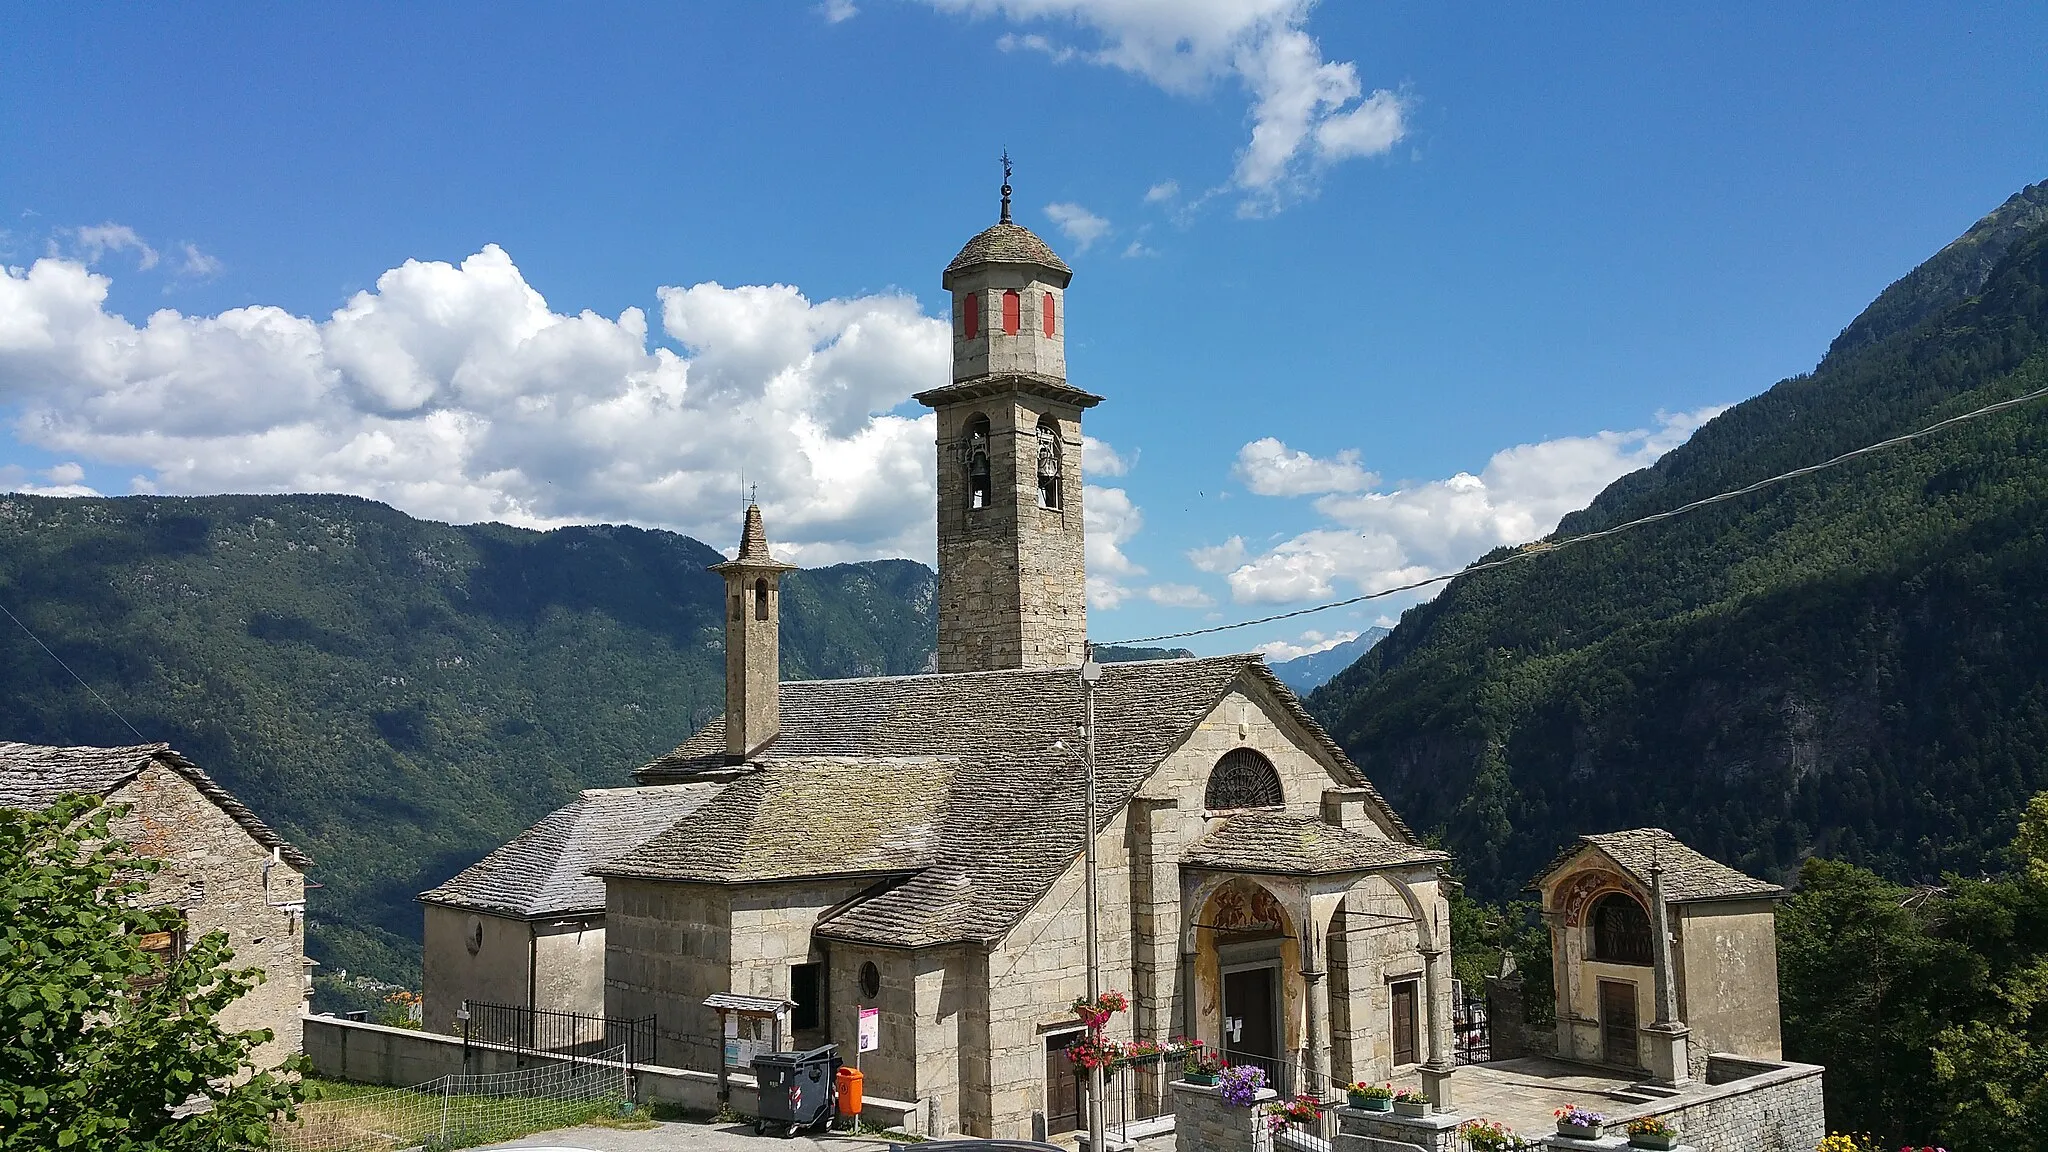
[(1412, 1103), (1652, 1132)]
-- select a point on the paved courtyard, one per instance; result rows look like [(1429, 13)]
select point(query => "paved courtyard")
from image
[(675, 1136), (1525, 1094)]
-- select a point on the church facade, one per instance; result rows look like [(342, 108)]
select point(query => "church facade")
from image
[(915, 844)]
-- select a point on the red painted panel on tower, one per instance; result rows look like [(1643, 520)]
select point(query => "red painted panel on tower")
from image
[(1047, 301), (973, 317), (1013, 312)]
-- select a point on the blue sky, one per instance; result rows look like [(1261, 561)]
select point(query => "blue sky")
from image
[(1369, 288)]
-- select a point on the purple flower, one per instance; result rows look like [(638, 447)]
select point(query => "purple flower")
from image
[(1241, 1084)]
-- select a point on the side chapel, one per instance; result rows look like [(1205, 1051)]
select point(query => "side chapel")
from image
[(914, 843)]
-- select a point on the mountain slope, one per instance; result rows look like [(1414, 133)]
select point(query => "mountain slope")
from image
[(1853, 663), (397, 696), (1307, 673)]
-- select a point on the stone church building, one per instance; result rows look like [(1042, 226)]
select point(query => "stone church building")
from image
[(914, 844)]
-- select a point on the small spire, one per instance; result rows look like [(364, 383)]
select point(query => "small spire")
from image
[(754, 537), (1006, 185)]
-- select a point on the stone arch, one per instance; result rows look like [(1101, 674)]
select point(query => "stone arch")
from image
[(1243, 778), (976, 447), (1620, 929), (1051, 464)]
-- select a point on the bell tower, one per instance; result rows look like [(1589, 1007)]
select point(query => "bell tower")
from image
[(1012, 571), (753, 642)]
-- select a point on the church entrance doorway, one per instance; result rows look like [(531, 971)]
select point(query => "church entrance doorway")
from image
[(1251, 1018), (1618, 1023), (1062, 1085)]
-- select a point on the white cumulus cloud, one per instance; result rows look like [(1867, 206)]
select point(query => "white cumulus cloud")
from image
[(1099, 459), (1111, 520), (1308, 643), (455, 392), (838, 11), (1270, 468), (1375, 539), (1306, 111), (1081, 226)]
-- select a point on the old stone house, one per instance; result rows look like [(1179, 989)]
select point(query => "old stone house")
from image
[(223, 867)]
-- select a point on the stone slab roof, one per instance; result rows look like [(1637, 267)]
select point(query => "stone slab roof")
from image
[(1007, 243), (33, 776), (1003, 384), (545, 870), (1014, 820), (1688, 875), (1296, 845), (806, 816)]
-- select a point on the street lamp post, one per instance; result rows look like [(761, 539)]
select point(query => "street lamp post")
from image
[(1090, 673)]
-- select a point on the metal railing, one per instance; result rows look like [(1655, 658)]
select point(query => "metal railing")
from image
[(1292, 1081), (1472, 1032), (557, 1033), (1135, 1091)]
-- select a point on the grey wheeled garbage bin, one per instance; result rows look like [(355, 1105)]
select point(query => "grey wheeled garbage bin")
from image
[(797, 1089)]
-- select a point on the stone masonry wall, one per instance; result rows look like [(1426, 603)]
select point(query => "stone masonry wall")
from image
[(498, 972), (1760, 1106), (1012, 575), (1203, 1121), (225, 881), (667, 947)]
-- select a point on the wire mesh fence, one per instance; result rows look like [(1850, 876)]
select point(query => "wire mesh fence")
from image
[(460, 1111)]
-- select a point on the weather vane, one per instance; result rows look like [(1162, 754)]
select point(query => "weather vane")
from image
[(1006, 185)]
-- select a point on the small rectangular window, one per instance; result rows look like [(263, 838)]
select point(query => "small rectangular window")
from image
[(1013, 312), (1048, 309), (971, 316), (807, 989)]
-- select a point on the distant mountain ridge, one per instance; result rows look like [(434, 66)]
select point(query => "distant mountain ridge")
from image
[(1307, 673), (1853, 663), (397, 696)]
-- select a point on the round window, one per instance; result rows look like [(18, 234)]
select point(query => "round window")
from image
[(473, 935), (870, 980)]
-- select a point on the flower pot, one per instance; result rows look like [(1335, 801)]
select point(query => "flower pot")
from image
[(1410, 1109), (1579, 1131), (1661, 1143), (1207, 1078), (1372, 1103)]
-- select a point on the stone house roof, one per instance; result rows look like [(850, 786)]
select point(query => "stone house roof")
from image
[(1292, 844), (545, 870), (805, 817), (1012, 825), (1688, 875), (33, 776), (1007, 243)]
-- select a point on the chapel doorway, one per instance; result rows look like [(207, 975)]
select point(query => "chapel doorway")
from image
[(1251, 1020), (1062, 1085), (1406, 1049), (1618, 1023)]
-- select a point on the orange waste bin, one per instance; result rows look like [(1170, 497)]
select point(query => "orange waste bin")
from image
[(849, 1092)]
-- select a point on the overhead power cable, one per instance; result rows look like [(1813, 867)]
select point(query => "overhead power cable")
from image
[(75, 676), (1542, 547)]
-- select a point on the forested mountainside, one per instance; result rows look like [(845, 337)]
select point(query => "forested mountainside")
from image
[(396, 696), (1851, 664)]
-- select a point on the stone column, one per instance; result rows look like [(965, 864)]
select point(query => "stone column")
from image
[(1668, 1057), (1436, 1071), (1316, 1034)]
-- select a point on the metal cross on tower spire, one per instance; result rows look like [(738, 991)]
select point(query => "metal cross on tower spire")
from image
[(1006, 185)]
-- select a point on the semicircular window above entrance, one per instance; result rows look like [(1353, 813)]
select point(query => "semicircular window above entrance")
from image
[(1244, 778)]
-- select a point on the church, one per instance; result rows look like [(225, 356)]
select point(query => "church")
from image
[(915, 844)]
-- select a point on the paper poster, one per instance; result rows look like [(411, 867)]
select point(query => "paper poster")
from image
[(870, 1029)]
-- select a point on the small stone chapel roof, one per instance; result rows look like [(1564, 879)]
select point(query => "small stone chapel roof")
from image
[(1688, 875), (1293, 844), (33, 776), (1013, 821), (545, 870)]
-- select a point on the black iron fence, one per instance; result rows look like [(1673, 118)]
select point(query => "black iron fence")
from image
[(1136, 1091), (1472, 1032), (557, 1033), (1293, 1083)]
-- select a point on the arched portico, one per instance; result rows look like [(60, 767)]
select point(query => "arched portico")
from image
[(1349, 929)]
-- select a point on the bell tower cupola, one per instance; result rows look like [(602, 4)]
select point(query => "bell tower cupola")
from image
[(1012, 573), (753, 642)]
